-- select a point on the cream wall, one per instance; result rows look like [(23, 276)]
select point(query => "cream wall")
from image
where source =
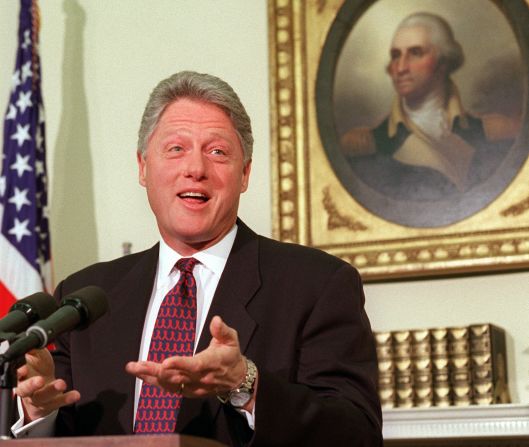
[(100, 60)]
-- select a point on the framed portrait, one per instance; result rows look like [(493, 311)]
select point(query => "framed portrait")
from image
[(400, 133)]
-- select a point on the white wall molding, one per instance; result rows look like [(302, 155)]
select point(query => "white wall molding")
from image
[(473, 421)]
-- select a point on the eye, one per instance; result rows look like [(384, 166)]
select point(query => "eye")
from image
[(218, 151), (417, 51), (394, 54), (176, 149)]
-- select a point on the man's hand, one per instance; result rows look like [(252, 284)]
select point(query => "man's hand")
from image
[(216, 370), (40, 391)]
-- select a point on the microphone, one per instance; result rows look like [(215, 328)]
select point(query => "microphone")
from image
[(27, 311), (78, 310)]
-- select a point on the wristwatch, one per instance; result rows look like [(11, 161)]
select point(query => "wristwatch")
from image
[(241, 395)]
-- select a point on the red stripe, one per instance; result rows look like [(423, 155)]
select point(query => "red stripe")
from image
[(7, 299)]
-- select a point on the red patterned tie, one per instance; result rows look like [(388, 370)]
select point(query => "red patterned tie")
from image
[(173, 334)]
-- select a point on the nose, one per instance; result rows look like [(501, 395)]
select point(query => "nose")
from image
[(402, 64), (194, 165)]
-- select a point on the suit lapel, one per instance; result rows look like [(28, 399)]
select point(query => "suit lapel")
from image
[(238, 284), (123, 329)]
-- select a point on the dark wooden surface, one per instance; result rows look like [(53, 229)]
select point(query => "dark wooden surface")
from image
[(116, 441)]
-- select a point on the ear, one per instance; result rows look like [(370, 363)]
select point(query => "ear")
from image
[(142, 169), (246, 175)]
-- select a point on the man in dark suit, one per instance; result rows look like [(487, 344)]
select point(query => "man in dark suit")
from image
[(284, 353)]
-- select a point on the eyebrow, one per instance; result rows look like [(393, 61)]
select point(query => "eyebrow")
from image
[(395, 50), (166, 137)]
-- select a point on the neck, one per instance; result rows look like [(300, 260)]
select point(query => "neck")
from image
[(429, 115), (187, 248)]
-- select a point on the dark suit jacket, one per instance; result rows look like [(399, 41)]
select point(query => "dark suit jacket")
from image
[(300, 317)]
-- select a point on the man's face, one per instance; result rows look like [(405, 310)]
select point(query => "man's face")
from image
[(194, 172), (414, 67)]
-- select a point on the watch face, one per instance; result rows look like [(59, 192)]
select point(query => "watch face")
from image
[(239, 398)]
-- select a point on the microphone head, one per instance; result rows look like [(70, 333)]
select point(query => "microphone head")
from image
[(90, 301), (36, 307)]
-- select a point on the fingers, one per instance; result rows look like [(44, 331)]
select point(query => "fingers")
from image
[(222, 333), (39, 388), (49, 392), (139, 369), (40, 391), (40, 361), (40, 398), (185, 365), (40, 406), (171, 374), (167, 373), (217, 368), (70, 398), (149, 372)]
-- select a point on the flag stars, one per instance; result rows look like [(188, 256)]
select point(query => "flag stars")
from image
[(38, 138), (15, 80), (2, 185), (20, 229), (11, 113), (39, 167), (21, 165), (42, 254), (20, 198), (41, 261), (27, 39), (26, 71), (22, 134), (24, 101)]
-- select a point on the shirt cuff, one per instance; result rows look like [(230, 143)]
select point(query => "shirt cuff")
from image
[(250, 417), (39, 428)]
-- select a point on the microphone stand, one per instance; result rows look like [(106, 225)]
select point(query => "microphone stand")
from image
[(8, 381)]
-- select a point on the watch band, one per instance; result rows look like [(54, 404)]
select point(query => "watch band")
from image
[(249, 378), (239, 396)]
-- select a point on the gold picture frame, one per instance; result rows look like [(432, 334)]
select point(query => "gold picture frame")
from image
[(312, 204)]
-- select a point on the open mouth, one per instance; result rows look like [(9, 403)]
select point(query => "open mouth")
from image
[(196, 197)]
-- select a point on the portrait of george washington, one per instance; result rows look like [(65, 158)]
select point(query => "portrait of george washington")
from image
[(428, 109)]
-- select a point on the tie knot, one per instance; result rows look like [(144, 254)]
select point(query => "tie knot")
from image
[(186, 264)]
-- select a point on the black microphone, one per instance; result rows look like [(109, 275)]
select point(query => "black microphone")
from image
[(77, 311), (27, 311)]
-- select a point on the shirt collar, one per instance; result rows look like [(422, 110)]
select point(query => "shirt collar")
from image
[(213, 258), (454, 109)]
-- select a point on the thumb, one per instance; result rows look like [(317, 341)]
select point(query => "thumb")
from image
[(222, 333)]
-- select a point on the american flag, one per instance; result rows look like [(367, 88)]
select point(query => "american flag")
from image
[(25, 266)]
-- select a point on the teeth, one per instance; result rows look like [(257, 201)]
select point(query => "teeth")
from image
[(193, 194)]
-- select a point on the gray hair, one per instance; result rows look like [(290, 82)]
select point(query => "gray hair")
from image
[(441, 36), (202, 87)]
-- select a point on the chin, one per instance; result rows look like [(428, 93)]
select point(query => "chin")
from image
[(405, 92), (193, 238)]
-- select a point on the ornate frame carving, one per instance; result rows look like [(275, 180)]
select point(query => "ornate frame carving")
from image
[(312, 207)]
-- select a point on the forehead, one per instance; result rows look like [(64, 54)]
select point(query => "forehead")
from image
[(195, 112), (411, 36)]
